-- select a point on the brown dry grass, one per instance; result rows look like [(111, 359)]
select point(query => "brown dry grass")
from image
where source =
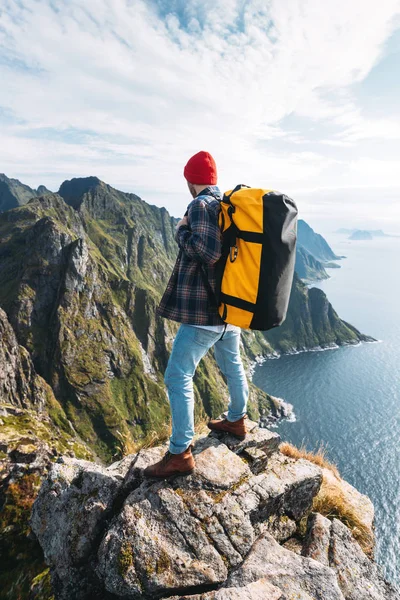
[(317, 457), (155, 438), (331, 500)]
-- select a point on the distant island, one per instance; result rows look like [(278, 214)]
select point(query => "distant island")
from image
[(363, 234)]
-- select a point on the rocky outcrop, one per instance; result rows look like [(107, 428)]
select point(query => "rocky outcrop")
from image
[(330, 542), (230, 530), (19, 383)]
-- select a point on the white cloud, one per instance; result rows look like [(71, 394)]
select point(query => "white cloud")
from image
[(150, 88)]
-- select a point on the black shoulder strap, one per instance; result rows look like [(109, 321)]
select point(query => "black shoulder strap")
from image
[(227, 197)]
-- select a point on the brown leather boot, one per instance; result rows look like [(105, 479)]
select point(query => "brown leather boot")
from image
[(172, 464), (236, 428)]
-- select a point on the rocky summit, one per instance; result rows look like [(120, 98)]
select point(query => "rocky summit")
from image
[(242, 526)]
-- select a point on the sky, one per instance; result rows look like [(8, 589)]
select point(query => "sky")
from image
[(300, 96)]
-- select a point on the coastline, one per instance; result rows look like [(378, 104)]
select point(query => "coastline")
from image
[(261, 358), (283, 409)]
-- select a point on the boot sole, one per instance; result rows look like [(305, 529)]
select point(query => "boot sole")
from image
[(235, 435), (175, 474)]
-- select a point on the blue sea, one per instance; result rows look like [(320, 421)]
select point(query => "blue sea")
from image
[(348, 398)]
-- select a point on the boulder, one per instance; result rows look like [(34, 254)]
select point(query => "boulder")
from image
[(68, 517), (297, 576), (331, 543)]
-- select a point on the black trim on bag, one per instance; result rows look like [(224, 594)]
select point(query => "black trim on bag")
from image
[(237, 188), (250, 236), (238, 302)]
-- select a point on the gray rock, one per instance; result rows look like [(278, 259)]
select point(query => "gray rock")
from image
[(358, 576), (111, 533), (294, 544), (20, 386), (287, 486), (332, 543), (217, 465), (202, 523), (156, 545), (131, 467), (297, 576), (281, 527), (67, 517), (264, 440), (317, 539)]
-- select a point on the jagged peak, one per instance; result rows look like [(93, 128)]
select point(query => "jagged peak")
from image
[(72, 190), (42, 189), (13, 181)]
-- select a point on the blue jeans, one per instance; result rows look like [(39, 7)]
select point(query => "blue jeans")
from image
[(189, 347)]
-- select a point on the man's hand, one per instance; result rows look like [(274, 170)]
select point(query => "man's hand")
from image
[(183, 221)]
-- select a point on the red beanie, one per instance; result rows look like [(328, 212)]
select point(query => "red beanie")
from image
[(201, 168)]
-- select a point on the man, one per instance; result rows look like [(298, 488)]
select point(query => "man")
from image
[(186, 300)]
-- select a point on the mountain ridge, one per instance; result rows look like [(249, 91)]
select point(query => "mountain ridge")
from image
[(13, 193)]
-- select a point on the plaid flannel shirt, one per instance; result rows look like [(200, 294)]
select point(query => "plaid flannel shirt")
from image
[(186, 299)]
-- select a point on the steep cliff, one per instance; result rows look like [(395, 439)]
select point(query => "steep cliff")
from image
[(243, 526), (33, 432), (314, 243)]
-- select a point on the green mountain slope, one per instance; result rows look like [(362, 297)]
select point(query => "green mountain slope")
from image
[(307, 267)]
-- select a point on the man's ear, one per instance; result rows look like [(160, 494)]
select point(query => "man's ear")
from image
[(191, 189)]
